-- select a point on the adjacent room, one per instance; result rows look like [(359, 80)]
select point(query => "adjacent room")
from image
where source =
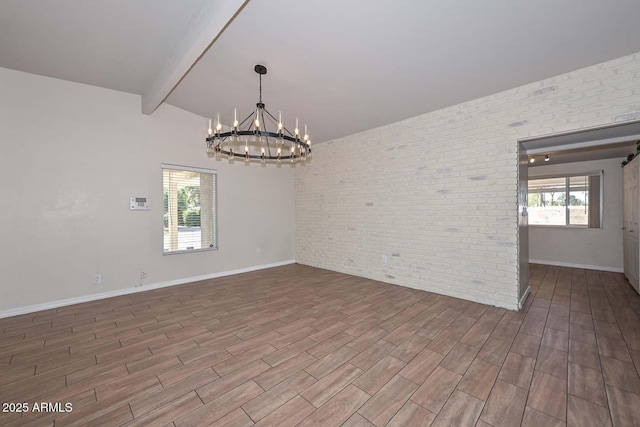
[(319, 213)]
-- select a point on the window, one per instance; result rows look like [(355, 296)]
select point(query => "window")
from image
[(566, 200), (190, 211)]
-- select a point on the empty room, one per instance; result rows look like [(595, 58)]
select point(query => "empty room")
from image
[(319, 213)]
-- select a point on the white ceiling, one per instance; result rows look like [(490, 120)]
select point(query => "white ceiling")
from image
[(341, 66)]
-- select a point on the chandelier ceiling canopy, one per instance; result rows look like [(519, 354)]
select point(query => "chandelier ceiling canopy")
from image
[(260, 136)]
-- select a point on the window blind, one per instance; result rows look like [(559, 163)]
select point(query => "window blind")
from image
[(189, 209)]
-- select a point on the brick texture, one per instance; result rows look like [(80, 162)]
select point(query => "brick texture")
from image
[(437, 194)]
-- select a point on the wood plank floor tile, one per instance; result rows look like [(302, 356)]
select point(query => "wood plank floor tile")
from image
[(444, 342), (624, 406), (412, 415), (479, 379), (556, 339), (146, 403), (357, 420), (158, 347), (532, 326), (548, 394), (408, 349), (552, 361), (362, 327), (606, 329), (219, 407), (614, 348), (580, 318), (330, 345), (432, 329), (533, 418), (273, 376), (172, 411), (460, 410), (505, 406), (494, 351), (251, 343), (388, 400), (583, 413), (505, 332), (400, 334), (620, 374), (367, 339), (331, 361), (584, 354), (338, 409), (379, 374), (558, 322), (235, 418), (216, 388), (181, 372), (373, 354), (459, 358), (267, 402), (329, 332), (323, 390), (286, 353), (587, 384), (436, 389), (288, 415), (421, 366), (477, 335), (237, 362), (526, 345), (517, 370)]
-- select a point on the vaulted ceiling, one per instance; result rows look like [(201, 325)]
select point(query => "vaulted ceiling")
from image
[(341, 66)]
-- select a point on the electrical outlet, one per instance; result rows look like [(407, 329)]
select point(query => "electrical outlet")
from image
[(97, 279), (143, 275), (384, 259)]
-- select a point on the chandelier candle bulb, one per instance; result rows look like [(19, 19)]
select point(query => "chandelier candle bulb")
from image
[(262, 134)]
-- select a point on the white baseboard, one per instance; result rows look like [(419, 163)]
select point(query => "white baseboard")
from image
[(524, 298), (572, 265), (126, 291)]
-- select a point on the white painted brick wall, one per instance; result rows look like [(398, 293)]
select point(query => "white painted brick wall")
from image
[(437, 193)]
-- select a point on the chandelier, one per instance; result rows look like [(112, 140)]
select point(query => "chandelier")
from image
[(260, 136)]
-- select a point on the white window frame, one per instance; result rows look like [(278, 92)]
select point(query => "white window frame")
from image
[(599, 173), (215, 206)]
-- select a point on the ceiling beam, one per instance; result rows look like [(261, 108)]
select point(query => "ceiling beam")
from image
[(204, 28)]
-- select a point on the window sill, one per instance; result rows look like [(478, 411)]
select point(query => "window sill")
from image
[(188, 251), (578, 227)]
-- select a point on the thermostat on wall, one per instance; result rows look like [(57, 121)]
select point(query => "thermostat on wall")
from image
[(139, 204)]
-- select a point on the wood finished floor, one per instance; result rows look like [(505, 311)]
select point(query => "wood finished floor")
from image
[(296, 345)]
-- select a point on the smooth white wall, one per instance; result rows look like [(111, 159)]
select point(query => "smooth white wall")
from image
[(583, 247), (437, 194), (72, 155)]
